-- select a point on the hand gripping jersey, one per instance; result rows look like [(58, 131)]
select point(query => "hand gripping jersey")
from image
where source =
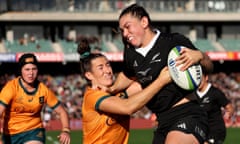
[(100, 127), (23, 109)]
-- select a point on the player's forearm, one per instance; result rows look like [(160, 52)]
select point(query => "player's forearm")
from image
[(63, 117), (121, 83), (139, 99), (64, 120), (64, 137)]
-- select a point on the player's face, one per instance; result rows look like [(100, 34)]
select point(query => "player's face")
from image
[(29, 73), (132, 29), (101, 72)]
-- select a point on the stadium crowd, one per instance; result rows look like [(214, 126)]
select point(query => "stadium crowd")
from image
[(69, 90), (116, 5)]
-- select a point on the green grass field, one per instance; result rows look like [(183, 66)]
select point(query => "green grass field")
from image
[(139, 136)]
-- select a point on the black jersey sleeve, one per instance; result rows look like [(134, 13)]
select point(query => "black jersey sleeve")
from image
[(183, 40), (222, 100), (176, 39)]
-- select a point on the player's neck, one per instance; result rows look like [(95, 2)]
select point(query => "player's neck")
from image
[(148, 37), (28, 86), (204, 87)]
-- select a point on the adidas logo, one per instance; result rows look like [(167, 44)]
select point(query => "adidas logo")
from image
[(182, 126), (40, 134)]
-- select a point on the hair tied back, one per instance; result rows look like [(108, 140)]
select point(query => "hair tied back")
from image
[(85, 54)]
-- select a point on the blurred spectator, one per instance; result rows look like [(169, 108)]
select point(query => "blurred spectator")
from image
[(104, 6), (119, 5), (129, 2)]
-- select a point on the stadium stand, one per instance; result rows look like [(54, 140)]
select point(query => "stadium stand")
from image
[(68, 46), (79, 10), (25, 46), (205, 45), (230, 44), (109, 46), (113, 5)]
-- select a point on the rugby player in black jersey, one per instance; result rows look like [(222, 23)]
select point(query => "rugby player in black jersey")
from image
[(180, 118)]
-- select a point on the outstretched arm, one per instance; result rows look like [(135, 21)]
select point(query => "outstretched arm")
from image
[(64, 136), (136, 101), (134, 88), (122, 82)]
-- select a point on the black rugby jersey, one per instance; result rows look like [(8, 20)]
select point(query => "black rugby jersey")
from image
[(212, 102), (147, 68)]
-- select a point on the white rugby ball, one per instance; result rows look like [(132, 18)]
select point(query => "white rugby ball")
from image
[(188, 79)]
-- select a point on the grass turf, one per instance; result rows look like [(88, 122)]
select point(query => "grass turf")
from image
[(143, 136)]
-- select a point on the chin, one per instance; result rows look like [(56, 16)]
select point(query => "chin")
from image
[(109, 84)]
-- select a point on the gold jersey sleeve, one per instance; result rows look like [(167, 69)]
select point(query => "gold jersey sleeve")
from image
[(101, 127), (23, 109)]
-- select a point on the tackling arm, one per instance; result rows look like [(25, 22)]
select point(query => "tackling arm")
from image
[(122, 82)]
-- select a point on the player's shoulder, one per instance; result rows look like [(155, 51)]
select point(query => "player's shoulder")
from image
[(216, 90), (177, 39), (42, 87), (13, 82)]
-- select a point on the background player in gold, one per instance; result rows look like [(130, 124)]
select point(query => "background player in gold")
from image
[(21, 103)]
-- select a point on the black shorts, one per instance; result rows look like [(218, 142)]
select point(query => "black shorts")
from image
[(216, 135), (188, 118)]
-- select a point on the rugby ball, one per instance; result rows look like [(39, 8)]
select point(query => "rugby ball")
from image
[(188, 79)]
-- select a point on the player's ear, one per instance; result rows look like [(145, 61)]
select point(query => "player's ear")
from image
[(88, 75), (144, 22)]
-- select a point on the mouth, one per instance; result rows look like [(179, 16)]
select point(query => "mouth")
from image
[(129, 38), (108, 76), (30, 78)]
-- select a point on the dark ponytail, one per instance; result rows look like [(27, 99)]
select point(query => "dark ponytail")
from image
[(86, 56)]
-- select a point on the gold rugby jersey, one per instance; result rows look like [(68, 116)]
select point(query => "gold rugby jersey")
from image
[(23, 108), (100, 127)]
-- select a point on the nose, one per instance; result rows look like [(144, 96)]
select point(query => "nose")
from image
[(31, 71), (124, 33), (108, 69)]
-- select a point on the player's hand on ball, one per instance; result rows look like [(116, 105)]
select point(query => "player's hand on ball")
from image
[(188, 57)]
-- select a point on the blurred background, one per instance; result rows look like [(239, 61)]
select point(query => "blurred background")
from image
[(52, 29)]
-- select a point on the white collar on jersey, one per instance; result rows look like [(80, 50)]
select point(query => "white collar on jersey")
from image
[(201, 94), (144, 50)]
